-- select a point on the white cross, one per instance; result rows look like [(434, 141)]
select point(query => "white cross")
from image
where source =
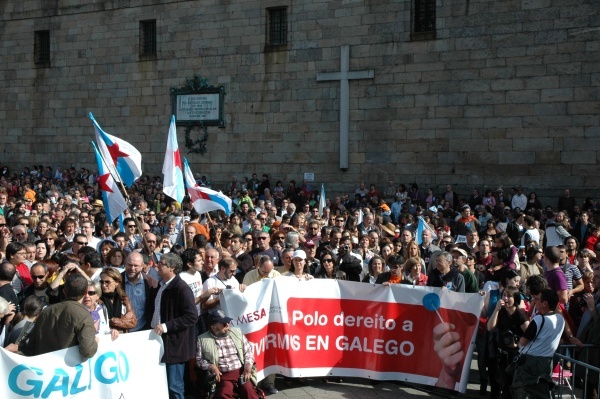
[(344, 75)]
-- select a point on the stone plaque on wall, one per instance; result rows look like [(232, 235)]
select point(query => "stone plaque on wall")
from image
[(198, 103)]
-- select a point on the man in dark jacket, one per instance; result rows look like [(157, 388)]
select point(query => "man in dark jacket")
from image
[(445, 275), (174, 318), (65, 324)]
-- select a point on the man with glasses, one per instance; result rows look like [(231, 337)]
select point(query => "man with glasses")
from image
[(20, 234), (174, 319), (149, 249), (444, 275), (16, 254), (224, 279), (312, 233), (339, 222), (152, 221), (39, 274), (134, 240), (141, 290), (263, 247)]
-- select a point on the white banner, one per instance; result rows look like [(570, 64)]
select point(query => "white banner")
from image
[(342, 328), (127, 368)]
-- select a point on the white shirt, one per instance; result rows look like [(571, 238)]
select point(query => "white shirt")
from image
[(216, 282), (194, 281)]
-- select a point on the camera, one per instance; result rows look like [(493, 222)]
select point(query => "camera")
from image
[(508, 339), (346, 248)]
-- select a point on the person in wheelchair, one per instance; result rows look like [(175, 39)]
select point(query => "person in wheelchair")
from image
[(226, 355)]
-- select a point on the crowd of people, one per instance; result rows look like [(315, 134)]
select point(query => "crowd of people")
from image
[(165, 266)]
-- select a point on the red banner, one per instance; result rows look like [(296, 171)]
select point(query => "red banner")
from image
[(326, 327)]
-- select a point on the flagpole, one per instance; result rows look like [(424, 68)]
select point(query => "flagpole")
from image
[(119, 181)]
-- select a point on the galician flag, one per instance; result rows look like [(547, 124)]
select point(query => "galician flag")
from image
[(205, 199), (114, 203), (172, 169), (123, 160), (322, 200)]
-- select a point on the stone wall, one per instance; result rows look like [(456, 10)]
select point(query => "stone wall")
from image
[(507, 94)]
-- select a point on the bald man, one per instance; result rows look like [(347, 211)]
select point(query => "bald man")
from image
[(141, 290)]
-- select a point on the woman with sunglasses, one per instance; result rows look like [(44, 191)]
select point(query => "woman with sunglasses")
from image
[(394, 276), (119, 310), (50, 237), (329, 269), (92, 302)]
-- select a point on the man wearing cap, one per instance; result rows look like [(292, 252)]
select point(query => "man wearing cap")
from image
[(225, 352), (98, 205), (460, 262)]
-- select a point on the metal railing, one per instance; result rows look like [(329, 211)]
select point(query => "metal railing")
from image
[(573, 374)]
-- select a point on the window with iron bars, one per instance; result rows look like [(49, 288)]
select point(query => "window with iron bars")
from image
[(277, 26), (148, 37), (41, 47), (423, 19)]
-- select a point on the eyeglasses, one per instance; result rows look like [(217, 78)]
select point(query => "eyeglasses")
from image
[(49, 238), (90, 293), (131, 226), (281, 238), (263, 238), (146, 230), (106, 282), (81, 243), (152, 214), (38, 277), (21, 253), (327, 260)]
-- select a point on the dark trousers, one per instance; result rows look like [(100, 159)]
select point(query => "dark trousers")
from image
[(229, 385)]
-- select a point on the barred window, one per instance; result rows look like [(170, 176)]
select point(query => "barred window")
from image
[(424, 19), (41, 47), (148, 37), (277, 26)]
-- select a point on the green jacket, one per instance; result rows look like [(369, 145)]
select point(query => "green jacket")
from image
[(210, 351)]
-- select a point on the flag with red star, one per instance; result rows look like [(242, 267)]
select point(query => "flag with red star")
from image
[(172, 170), (114, 203), (204, 199), (123, 160)]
